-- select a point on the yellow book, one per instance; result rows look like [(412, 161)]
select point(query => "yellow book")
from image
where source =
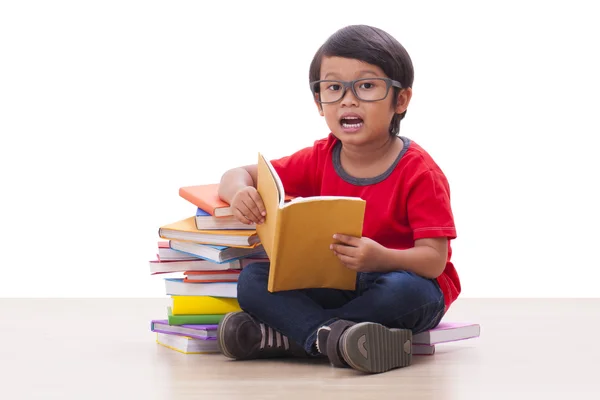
[(185, 230), (203, 305), (296, 235)]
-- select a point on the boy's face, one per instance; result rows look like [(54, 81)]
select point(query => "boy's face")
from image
[(351, 120)]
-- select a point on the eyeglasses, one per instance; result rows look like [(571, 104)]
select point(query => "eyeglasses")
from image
[(366, 89)]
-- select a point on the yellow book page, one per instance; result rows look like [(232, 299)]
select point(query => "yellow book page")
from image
[(189, 225), (203, 305), (304, 259), (185, 230)]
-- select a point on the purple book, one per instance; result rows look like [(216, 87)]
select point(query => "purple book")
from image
[(203, 332), (448, 332)]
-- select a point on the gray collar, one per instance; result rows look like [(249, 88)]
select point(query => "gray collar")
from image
[(337, 165)]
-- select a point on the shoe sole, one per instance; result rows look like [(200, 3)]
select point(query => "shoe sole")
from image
[(374, 348), (220, 338)]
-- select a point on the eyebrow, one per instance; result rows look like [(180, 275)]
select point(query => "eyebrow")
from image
[(360, 73)]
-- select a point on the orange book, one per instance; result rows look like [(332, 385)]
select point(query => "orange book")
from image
[(206, 197), (185, 230), (297, 235)]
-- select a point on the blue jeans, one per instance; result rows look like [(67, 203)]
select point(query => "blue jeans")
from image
[(395, 299)]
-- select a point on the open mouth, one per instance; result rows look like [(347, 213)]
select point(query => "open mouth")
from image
[(351, 122)]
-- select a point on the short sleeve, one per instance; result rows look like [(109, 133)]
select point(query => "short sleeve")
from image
[(298, 172), (428, 207)]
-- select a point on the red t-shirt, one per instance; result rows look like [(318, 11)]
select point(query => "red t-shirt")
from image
[(410, 201)]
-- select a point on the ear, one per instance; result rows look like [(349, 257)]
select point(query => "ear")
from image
[(319, 106), (402, 101)]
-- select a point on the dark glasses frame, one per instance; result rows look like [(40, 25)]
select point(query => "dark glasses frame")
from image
[(350, 84)]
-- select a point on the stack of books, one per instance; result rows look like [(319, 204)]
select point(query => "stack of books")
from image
[(200, 258)]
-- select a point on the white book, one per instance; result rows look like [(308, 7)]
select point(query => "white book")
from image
[(167, 253), (423, 349), (448, 332), (205, 221), (187, 345), (217, 254), (196, 264), (177, 287)]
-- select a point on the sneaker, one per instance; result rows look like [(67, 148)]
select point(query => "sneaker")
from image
[(328, 337), (367, 346), (374, 348), (241, 337)]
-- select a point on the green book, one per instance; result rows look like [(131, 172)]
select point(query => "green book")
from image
[(193, 319)]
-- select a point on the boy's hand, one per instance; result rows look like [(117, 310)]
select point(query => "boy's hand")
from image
[(360, 254), (247, 206)]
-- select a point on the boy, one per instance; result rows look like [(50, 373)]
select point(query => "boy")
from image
[(361, 80)]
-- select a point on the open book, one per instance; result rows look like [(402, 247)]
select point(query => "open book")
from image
[(296, 235)]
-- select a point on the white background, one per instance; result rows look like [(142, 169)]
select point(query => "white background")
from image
[(108, 107)]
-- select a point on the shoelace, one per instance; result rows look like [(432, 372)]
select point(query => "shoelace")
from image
[(267, 338)]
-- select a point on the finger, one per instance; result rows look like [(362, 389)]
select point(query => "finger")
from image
[(343, 249), (241, 217), (347, 261), (349, 240), (250, 210), (259, 203), (245, 212)]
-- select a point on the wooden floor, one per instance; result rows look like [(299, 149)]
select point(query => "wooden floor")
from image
[(103, 349)]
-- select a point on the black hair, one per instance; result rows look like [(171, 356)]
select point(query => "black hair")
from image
[(374, 46)]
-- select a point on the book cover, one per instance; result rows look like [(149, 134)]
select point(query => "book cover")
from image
[(193, 331), (178, 287), (193, 319), (448, 332), (187, 345), (165, 252), (207, 198), (214, 253), (297, 235), (253, 260), (186, 230), (159, 266), (203, 305)]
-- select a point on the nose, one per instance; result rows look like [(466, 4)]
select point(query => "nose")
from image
[(349, 99)]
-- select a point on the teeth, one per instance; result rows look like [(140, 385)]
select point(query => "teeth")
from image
[(344, 121)]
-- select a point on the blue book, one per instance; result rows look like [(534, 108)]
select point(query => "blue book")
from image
[(217, 254)]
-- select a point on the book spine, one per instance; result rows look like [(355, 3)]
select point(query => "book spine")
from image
[(195, 319), (273, 258)]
